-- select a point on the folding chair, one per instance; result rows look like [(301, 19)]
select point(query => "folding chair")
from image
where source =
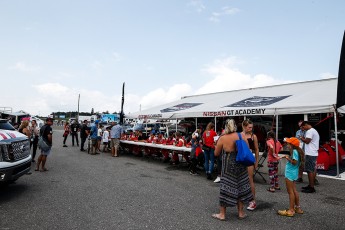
[(260, 165)]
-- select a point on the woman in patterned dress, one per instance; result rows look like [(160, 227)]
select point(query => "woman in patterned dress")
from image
[(234, 183)]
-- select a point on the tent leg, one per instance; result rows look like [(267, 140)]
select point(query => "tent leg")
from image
[(336, 142), (215, 124), (196, 123), (277, 118)]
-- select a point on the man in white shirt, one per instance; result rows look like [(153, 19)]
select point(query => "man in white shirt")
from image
[(311, 140)]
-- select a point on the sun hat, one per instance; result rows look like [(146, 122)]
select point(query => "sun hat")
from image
[(292, 140)]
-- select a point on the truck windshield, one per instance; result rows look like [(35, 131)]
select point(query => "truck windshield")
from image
[(5, 125)]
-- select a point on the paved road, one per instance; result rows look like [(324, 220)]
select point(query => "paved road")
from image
[(82, 191)]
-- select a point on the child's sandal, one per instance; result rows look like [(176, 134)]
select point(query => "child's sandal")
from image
[(271, 189), (298, 210), (285, 213)]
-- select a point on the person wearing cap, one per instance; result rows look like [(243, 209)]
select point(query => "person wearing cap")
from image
[(93, 136), (47, 134), (115, 135), (311, 141), (294, 160)]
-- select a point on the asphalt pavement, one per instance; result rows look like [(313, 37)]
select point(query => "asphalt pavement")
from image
[(82, 191)]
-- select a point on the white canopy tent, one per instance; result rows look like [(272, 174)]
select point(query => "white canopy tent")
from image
[(319, 96), (295, 98)]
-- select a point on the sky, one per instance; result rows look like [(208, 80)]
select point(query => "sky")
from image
[(53, 51)]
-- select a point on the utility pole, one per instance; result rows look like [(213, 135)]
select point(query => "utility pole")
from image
[(78, 109)]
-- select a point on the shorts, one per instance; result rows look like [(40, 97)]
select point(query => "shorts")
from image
[(94, 142), (115, 142), (310, 163), (46, 153), (99, 138)]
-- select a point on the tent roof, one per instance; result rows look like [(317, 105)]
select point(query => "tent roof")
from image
[(317, 96)]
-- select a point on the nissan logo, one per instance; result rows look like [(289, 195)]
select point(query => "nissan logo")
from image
[(22, 148)]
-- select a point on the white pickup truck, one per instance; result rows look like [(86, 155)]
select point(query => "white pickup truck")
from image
[(15, 157)]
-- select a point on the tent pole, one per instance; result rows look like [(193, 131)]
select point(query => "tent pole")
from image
[(277, 126), (215, 124), (336, 141), (176, 126), (196, 123)]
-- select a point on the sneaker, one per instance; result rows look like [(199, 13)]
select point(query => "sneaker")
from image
[(65, 146), (193, 173), (306, 187), (217, 180), (166, 160), (209, 176), (299, 180), (309, 190), (252, 206)]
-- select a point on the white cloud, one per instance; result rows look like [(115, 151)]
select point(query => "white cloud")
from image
[(197, 5), (216, 16), (327, 75), (162, 96), (97, 64), (116, 56), (226, 77), (22, 66), (223, 75)]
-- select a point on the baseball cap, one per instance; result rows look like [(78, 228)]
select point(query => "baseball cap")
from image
[(49, 119), (292, 140)]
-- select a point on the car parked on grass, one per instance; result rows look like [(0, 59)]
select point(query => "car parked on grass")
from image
[(15, 157)]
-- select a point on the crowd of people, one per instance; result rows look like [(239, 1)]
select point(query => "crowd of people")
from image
[(208, 150), (237, 186), (98, 135), (237, 181)]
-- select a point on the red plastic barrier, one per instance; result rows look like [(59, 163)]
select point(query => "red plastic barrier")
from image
[(322, 161), (198, 150), (341, 151), (332, 154)]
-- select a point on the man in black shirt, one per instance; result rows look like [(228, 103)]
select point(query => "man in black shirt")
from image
[(84, 133), (75, 128), (47, 134)]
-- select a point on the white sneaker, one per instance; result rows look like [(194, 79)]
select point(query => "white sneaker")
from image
[(252, 206), (217, 180)]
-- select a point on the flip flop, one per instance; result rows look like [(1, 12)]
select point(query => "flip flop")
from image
[(36, 169), (271, 190), (242, 217), (216, 216), (285, 213), (277, 188)]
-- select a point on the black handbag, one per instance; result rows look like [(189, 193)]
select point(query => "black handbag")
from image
[(206, 148)]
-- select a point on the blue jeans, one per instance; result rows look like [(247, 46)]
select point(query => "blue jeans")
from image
[(209, 156)]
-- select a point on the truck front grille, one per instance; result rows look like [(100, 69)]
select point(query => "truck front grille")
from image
[(20, 150)]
